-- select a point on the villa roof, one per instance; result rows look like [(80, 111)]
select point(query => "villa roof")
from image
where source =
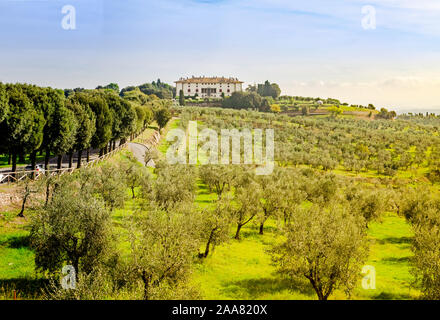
[(208, 80)]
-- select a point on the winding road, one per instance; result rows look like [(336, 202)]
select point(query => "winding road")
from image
[(138, 151)]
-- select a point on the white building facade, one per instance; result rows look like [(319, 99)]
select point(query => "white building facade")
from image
[(212, 87)]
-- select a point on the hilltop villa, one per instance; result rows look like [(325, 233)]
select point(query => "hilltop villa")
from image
[(208, 87)]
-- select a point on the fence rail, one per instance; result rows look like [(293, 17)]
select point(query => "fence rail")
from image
[(17, 176)]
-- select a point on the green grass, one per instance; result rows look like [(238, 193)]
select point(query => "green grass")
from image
[(243, 269), (234, 270), (390, 254), (4, 161), (16, 260)]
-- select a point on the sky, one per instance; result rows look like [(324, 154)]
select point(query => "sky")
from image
[(317, 48)]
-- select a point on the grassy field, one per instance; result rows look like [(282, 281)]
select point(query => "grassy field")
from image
[(243, 269), (237, 269), (4, 161)]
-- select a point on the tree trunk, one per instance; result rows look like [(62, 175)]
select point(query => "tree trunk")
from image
[(132, 191), (100, 152), (237, 234), (21, 157), (262, 228), (75, 264), (146, 280), (21, 214), (316, 288), (105, 149), (46, 160), (114, 144), (59, 161), (33, 163), (47, 191), (88, 155), (71, 159), (14, 162), (79, 159), (209, 243), (9, 158)]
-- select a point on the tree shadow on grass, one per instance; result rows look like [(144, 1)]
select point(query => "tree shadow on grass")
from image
[(391, 296), (396, 260), (205, 201), (17, 242), (25, 288), (394, 240), (256, 287), (248, 233), (254, 233), (203, 190)]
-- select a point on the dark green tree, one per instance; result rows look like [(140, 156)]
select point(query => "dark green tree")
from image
[(103, 123), (60, 128), (181, 98), (124, 117), (110, 86), (85, 119), (162, 116), (23, 121)]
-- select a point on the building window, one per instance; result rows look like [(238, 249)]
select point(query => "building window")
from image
[(189, 90), (221, 90), (197, 90), (229, 90)]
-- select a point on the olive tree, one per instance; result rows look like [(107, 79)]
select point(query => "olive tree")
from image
[(73, 229), (110, 186), (174, 184), (271, 198), (135, 174), (368, 203), (246, 205), (27, 187), (215, 225), (326, 246), (162, 249), (218, 178)]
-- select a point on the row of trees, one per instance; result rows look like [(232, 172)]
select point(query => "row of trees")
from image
[(35, 119), (329, 143), (323, 219), (247, 101), (167, 230), (158, 88), (265, 89)]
